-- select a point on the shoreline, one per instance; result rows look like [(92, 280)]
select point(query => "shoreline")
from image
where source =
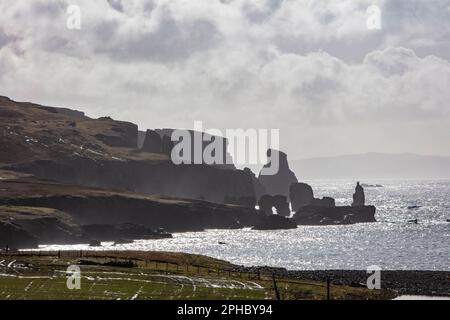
[(403, 282)]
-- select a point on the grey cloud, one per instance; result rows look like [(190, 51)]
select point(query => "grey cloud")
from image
[(302, 64), (170, 42), (116, 5), (4, 38), (260, 15), (394, 61)]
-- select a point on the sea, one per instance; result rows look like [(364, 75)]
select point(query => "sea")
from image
[(391, 243)]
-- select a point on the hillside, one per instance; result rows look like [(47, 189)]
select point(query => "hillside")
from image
[(65, 145)]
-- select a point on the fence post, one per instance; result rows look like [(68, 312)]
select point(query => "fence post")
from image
[(277, 294), (328, 288)]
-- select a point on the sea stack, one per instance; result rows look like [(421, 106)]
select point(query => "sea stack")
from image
[(278, 183), (301, 194), (358, 197)]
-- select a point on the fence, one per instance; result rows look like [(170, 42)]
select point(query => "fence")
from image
[(167, 266)]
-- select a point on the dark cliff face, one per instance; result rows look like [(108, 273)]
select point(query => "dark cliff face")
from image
[(226, 161), (66, 146), (26, 227), (185, 181), (117, 209), (36, 212)]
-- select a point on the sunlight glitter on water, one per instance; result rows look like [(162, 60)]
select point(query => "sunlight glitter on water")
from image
[(391, 243)]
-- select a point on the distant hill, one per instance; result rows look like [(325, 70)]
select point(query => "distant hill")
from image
[(373, 166)]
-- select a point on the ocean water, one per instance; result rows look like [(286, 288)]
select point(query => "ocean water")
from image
[(390, 243)]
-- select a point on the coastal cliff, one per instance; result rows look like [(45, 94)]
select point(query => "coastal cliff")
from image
[(65, 145)]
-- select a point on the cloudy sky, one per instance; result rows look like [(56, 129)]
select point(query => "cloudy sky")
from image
[(313, 69)]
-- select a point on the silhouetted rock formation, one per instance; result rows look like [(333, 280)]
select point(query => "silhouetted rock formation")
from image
[(257, 186), (265, 204), (90, 206), (280, 182), (281, 205), (358, 197), (249, 201), (152, 142), (118, 133), (302, 195), (26, 227), (320, 215), (157, 141), (279, 202), (324, 202), (14, 236), (167, 145), (206, 139), (274, 222)]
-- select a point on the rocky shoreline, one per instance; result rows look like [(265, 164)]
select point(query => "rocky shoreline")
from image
[(404, 282)]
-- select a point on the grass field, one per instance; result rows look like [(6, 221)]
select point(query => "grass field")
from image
[(155, 275)]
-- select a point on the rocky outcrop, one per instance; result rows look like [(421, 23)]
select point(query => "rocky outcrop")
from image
[(156, 141), (279, 182), (274, 222), (205, 139), (99, 206), (166, 145), (359, 198), (302, 195), (265, 204), (26, 227), (257, 186), (14, 236), (281, 205), (324, 202), (152, 142), (320, 215), (174, 217), (279, 202), (119, 133)]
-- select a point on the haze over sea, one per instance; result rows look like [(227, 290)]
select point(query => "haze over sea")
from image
[(391, 243)]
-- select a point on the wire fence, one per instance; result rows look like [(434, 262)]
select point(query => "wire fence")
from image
[(120, 260)]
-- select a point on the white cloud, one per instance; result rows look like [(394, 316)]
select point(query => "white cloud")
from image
[(311, 68)]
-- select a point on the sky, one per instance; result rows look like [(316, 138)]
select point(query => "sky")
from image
[(312, 69)]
